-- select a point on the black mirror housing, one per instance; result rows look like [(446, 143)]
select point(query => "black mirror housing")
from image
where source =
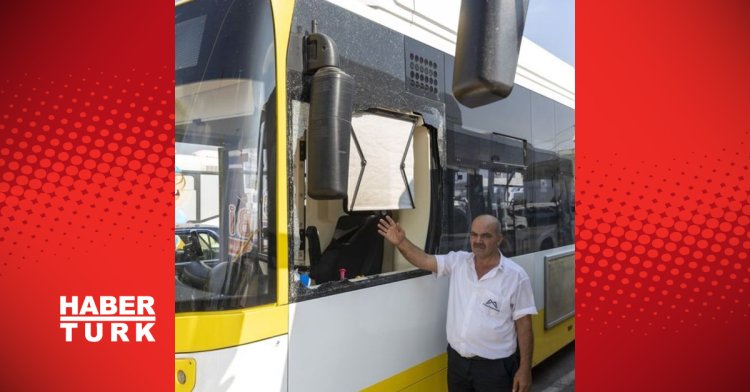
[(330, 120), (487, 47)]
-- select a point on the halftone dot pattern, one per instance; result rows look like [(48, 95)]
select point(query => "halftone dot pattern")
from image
[(84, 159), (86, 145), (658, 253), (662, 214)]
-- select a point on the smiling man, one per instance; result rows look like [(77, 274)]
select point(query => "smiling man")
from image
[(490, 303)]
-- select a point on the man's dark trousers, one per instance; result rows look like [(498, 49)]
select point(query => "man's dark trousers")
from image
[(479, 374)]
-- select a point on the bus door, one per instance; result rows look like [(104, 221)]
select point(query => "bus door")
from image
[(231, 322)]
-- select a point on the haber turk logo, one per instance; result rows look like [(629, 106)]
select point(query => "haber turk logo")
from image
[(124, 318)]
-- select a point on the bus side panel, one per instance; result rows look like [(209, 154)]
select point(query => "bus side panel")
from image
[(259, 366), (353, 340), (550, 340)]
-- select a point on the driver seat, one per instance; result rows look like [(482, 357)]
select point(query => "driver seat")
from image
[(355, 246)]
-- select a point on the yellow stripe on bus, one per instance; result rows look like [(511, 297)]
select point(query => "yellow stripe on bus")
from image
[(282, 23), (427, 376), (202, 331), (431, 375), (550, 341)]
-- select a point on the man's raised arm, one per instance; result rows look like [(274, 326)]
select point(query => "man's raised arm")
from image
[(393, 232)]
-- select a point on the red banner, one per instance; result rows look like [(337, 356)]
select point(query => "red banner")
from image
[(86, 195), (663, 208), (662, 203)]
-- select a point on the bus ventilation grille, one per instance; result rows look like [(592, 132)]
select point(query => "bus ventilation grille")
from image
[(424, 70)]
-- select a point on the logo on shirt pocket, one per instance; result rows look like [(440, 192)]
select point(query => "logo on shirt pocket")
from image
[(491, 304)]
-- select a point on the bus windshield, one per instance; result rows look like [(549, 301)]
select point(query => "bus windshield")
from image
[(224, 155)]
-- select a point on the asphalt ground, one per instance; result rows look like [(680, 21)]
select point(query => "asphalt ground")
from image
[(556, 373)]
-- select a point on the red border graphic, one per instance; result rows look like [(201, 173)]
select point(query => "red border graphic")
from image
[(86, 173), (663, 209), (663, 212)]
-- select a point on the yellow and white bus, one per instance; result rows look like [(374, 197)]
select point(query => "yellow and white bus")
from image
[(299, 124)]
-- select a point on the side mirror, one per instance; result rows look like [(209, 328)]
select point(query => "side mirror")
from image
[(330, 120), (487, 47)]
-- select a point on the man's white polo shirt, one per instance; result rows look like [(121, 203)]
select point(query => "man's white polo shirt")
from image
[(481, 312)]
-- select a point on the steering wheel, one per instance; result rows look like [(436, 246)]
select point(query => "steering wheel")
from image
[(192, 248)]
